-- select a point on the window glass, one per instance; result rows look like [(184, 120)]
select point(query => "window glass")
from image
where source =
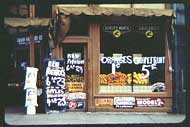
[(78, 26), (132, 58)]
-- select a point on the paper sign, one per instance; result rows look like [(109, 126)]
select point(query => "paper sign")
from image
[(104, 102)]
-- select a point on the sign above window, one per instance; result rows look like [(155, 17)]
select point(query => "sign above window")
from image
[(24, 39)]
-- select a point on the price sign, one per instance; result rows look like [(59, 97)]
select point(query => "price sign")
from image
[(55, 89)]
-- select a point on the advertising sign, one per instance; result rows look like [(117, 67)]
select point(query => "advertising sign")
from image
[(76, 105), (150, 102), (104, 102), (31, 97), (124, 102), (31, 78), (55, 89), (75, 86), (77, 95)]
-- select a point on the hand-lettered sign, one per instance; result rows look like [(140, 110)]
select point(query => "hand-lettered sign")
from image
[(55, 89)]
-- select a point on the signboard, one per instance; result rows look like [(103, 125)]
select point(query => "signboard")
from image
[(77, 95), (124, 102), (75, 104), (104, 102), (75, 86), (24, 39), (55, 89), (149, 102)]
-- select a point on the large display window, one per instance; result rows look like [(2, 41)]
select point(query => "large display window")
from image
[(132, 58)]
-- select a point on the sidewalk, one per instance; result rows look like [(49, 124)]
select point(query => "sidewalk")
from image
[(18, 117)]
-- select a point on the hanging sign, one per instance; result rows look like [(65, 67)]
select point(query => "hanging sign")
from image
[(150, 102), (124, 102), (55, 89)]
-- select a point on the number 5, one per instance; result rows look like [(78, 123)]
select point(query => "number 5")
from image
[(146, 70)]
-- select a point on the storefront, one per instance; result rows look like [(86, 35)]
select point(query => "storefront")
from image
[(122, 56), (116, 59)]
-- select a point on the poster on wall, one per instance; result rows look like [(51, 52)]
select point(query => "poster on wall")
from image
[(150, 102), (55, 89)]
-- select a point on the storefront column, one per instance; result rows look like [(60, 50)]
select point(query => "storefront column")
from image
[(94, 31)]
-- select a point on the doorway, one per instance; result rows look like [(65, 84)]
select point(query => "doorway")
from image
[(76, 75)]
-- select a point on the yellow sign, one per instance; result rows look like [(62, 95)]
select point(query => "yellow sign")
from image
[(104, 102), (75, 87), (116, 33), (149, 34)]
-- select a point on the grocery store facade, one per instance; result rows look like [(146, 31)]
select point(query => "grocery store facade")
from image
[(115, 59)]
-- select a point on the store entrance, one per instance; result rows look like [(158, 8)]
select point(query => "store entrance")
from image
[(75, 66)]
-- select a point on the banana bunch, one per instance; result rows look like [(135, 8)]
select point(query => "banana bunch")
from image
[(103, 79), (129, 78), (139, 80)]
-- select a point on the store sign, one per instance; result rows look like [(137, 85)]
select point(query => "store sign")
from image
[(149, 102), (76, 105), (75, 87), (124, 102), (104, 102), (55, 88), (24, 39), (77, 95)]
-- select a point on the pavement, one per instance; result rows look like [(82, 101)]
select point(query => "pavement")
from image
[(18, 116)]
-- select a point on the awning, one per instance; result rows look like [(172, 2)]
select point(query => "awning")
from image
[(114, 11), (26, 22)]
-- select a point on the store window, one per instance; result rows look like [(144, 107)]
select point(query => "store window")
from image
[(132, 58)]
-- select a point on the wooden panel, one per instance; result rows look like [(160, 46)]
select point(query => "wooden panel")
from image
[(76, 39), (32, 50), (95, 51), (32, 11), (168, 64)]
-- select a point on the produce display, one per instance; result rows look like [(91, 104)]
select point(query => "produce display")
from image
[(139, 80), (121, 79)]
